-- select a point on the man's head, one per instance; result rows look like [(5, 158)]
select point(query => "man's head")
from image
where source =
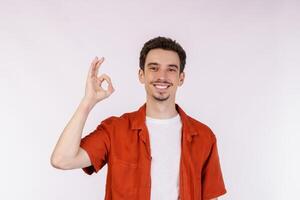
[(162, 62), (162, 43)]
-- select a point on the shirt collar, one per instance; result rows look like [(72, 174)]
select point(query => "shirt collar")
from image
[(138, 121)]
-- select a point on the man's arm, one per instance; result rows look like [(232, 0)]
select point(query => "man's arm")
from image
[(67, 153)]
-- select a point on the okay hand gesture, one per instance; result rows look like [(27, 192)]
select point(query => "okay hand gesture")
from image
[(94, 92)]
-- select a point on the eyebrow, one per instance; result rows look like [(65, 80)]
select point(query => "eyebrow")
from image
[(170, 65), (152, 63)]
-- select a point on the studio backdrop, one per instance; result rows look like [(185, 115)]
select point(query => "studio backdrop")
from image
[(242, 80)]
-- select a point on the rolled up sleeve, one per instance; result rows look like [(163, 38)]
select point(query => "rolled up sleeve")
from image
[(97, 146)]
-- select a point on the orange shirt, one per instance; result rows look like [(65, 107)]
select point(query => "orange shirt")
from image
[(123, 144)]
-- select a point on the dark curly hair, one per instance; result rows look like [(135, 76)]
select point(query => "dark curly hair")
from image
[(162, 43)]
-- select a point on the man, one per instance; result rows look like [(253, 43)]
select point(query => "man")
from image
[(157, 152)]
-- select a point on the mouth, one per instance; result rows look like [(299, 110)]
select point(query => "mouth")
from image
[(161, 86)]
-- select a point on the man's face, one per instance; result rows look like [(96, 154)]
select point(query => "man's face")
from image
[(161, 75)]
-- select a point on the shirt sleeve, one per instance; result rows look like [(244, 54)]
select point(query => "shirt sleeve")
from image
[(97, 145), (212, 179)]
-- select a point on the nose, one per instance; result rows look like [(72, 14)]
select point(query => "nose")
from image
[(162, 74)]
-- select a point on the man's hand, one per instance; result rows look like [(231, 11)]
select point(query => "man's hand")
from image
[(67, 153), (93, 90)]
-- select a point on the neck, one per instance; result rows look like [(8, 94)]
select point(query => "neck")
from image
[(160, 110)]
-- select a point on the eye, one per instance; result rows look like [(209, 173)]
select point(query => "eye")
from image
[(172, 70)]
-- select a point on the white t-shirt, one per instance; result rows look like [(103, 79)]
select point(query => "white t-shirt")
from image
[(165, 144)]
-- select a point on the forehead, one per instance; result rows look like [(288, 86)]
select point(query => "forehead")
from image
[(162, 56)]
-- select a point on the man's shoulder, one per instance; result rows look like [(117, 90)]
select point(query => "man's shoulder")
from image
[(120, 119), (201, 128)]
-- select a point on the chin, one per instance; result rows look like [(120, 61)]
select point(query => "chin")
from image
[(161, 98)]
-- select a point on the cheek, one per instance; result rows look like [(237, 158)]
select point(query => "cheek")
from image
[(148, 79), (144, 79), (175, 80)]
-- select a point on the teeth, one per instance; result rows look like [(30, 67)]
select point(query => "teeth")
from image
[(161, 87)]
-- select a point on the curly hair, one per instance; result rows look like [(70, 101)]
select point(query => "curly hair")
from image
[(166, 44)]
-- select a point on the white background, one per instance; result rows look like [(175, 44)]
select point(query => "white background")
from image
[(242, 80)]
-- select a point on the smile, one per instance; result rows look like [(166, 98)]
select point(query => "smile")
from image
[(161, 86)]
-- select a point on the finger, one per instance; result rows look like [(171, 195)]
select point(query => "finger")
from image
[(92, 66), (104, 77), (108, 79), (110, 88), (99, 62), (96, 67)]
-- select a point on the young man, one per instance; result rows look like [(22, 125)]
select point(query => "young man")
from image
[(157, 152)]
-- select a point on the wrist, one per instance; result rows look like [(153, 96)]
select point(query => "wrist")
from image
[(86, 104)]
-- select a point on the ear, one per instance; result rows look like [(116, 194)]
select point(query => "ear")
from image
[(141, 76), (181, 78)]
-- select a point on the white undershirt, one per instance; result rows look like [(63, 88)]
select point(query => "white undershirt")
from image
[(165, 140)]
